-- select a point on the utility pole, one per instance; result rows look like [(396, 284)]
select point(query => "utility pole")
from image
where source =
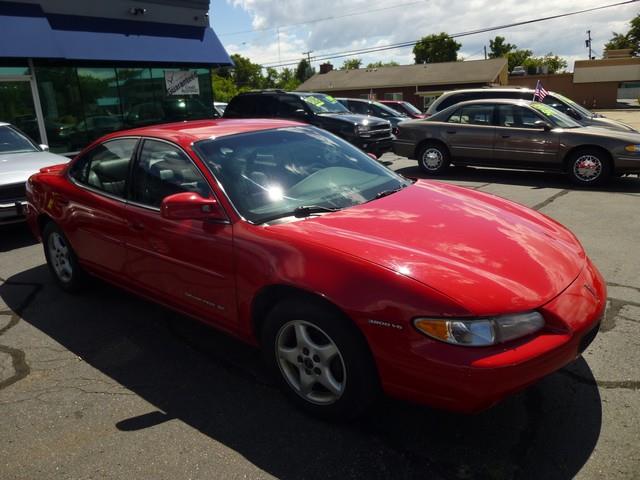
[(485, 52), (308, 54), (587, 43), (278, 32)]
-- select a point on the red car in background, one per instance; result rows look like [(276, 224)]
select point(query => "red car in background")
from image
[(404, 107), (351, 278)]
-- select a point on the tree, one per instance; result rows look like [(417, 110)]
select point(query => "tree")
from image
[(436, 48), (554, 63), (304, 71), (618, 41), (223, 88), (550, 63), (245, 73), (270, 80), (351, 64), (518, 57), (382, 64), (631, 39), (287, 80), (499, 48), (634, 34)]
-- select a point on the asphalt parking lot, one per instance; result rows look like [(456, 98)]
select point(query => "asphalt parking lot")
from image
[(105, 385)]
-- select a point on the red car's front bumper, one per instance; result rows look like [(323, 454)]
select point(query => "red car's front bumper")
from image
[(472, 379)]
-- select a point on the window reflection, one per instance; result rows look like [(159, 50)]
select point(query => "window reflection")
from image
[(102, 113), (62, 107), (82, 104)]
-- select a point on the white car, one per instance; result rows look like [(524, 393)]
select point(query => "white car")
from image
[(20, 158)]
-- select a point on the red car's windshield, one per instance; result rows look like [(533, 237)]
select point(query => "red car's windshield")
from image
[(270, 173)]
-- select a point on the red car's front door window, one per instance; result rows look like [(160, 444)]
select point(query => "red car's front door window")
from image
[(187, 262)]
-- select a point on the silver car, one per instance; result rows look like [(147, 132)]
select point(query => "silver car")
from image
[(19, 159)]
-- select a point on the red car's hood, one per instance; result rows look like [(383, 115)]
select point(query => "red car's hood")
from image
[(488, 254)]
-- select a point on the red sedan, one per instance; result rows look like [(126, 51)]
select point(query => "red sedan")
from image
[(404, 107), (350, 277)]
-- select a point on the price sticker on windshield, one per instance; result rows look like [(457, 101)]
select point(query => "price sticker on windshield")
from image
[(314, 101), (548, 111)]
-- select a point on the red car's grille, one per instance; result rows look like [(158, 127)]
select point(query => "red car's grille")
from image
[(14, 191)]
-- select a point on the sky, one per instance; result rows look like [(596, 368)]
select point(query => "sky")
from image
[(284, 29)]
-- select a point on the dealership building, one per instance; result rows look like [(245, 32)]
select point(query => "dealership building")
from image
[(74, 70)]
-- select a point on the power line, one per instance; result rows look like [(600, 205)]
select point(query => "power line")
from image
[(342, 54), (323, 19)]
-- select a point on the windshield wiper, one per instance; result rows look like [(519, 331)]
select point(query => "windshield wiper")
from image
[(386, 193), (300, 212), (306, 210)]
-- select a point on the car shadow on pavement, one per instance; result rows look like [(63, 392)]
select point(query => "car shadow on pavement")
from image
[(627, 184), (215, 384)]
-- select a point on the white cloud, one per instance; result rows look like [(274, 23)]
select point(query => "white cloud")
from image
[(413, 20)]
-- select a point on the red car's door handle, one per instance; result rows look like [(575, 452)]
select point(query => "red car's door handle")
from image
[(136, 226), (505, 136), (451, 132)]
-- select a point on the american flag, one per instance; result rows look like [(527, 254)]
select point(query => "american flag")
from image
[(540, 92)]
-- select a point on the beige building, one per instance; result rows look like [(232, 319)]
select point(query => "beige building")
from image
[(594, 83)]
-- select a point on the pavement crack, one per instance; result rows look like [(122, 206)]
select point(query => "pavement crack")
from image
[(18, 357), (608, 384), (551, 199), (20, 367), (612, 284), (613, 311)]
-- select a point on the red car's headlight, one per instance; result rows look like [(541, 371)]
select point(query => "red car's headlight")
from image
[(480, 332)]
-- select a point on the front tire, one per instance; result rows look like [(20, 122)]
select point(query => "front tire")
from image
[(61, 259), (589, 167), (433, 158), (320, 360)]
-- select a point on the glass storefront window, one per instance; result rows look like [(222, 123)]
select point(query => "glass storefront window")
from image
[(101, 102), (179, 107), (14, 71), (17, 108), (141, 97), (62, 108), (80, 104)]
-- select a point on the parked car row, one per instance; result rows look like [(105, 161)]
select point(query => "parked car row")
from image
[(370, 133), (518, 134)]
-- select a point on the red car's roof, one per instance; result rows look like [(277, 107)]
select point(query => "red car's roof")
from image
[(192, 131)]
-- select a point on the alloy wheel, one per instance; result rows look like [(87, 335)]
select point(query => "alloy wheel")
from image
[(310, 362), (59, 256)]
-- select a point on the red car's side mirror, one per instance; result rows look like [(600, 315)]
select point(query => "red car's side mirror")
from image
[(191, 206)]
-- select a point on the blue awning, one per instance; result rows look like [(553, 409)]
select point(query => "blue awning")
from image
[(29, 33), (25, 32)]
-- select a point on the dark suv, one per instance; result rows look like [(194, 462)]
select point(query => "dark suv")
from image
[(371, 134)]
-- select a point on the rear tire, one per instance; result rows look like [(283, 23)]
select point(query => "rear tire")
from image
[(433, 159), (320, 361), (61, 259), (589, 167)]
